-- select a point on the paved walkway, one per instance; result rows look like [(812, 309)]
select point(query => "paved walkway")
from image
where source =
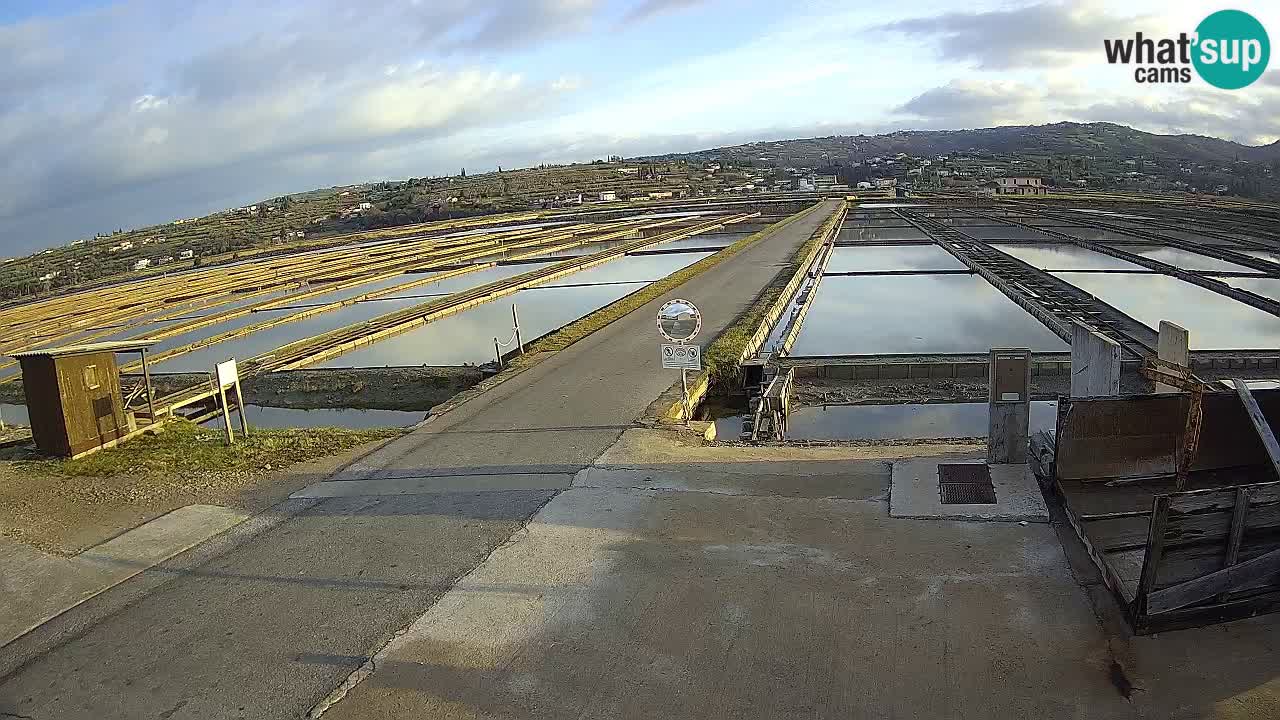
[(713, 582), (266, 620)]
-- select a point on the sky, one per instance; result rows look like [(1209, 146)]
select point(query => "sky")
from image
[(128, 113)]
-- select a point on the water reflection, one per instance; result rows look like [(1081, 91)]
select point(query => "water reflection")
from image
[(1195, 237), (467, 337), (1110, 213), (892, 257), (1268, 255), (579, 251), (1266, 287), (14, 414), (1216, 322), (1095, 234), (1185, 259), (1006, 232), (916, 314), (263, 341), (1055, 256), (697, 241), (902, 422), (858, 234)]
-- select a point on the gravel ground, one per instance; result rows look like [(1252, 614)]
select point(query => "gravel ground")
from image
[(66, 506)]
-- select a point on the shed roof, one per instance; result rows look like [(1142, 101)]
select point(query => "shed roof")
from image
[(98, 347)]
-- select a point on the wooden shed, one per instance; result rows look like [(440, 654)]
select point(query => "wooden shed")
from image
[(74, 399)]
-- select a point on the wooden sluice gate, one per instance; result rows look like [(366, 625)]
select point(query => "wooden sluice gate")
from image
[(769, 411), (1175, 496)]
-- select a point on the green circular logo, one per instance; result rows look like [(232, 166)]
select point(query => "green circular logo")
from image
[(1232, 49)]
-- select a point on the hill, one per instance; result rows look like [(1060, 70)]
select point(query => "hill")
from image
[(1101, 154), (1064, 138)]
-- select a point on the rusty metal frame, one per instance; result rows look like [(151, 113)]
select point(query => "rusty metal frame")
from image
[(1181, 377)]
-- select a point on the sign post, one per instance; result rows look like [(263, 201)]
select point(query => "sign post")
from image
[(515, 320), (679, 321), (227, 375)]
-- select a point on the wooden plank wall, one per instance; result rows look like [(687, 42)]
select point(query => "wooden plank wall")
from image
[(1139, 436), (1212, 544)]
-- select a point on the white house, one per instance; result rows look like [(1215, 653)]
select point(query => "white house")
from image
[(1020, 185), (186, 254), (143, 263), (608, 196)]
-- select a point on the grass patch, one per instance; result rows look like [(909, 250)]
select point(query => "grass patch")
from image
[(583, 327), (185, 447), (64, 506)]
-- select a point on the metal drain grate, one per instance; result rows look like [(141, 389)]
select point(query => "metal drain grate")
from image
[(966, 484)]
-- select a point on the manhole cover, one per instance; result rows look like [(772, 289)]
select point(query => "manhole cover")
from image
[(966, 484)]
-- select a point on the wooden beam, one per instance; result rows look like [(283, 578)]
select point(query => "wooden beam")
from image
[(1215, 583), (1237, 527), (1155, 553), (1260, 423), (1236, 535)]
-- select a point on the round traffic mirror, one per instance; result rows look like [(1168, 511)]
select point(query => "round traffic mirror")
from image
[(679, 320)]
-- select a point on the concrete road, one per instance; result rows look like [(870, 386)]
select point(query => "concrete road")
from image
[(266, 621), (724, 599), (570, 409), (717, 583)]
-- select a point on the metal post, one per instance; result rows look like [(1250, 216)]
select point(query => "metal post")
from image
[(515, 318), (244, 423), (226, 415), (497, 350), (684, 390), (146, 376), (216, 393)]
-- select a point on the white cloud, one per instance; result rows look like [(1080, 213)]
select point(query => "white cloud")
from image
[(1026, 36), (1251, 118), (567, 83), (976, 103), (118, 100), (645, 9), (143, 110)]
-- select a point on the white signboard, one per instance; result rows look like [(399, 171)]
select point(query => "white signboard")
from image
[(227, 373), (681, 357)]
